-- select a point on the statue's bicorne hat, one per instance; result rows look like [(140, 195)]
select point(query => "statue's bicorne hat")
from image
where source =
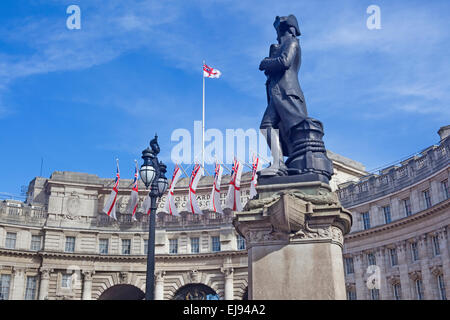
[(287, 22)]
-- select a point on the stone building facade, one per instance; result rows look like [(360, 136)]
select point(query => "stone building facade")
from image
[(58, 244), (398, 247)]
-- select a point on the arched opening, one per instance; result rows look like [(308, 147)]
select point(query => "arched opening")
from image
[(195, 291), (122, 292)]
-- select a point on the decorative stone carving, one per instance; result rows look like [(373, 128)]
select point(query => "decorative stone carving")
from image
[(45, 273), (159, 275), (415, 275), (436, 270), (87, 274), (194, 276), (325, 233), (123, 277), (73, 203), (393, 279), (293, 215), (227, 271), (349, 286)]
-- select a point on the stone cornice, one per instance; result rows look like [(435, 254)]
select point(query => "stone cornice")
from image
[(98, 257), (18, 252), (436, 209)]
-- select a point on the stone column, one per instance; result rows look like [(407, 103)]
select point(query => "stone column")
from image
[(18, 284), (87, 284), (425, 268), (360, 284), (396, 211), (405, 282), (295, 234), (374, 213), (381, 263), (43, 287), (415, 201), (229, 285), (435, 192), (159, 285), (443, 246)]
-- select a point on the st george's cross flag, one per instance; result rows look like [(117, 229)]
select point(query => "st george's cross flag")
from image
[(192, 205), (215, 204), (254, 181), (169, 206), (134, 197), (233, 200), (110, 206), (209, 72), (146, 205)]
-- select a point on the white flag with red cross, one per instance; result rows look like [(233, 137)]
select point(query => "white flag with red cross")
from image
[(209, 72), (233, 200), (254, 181), (110, 206), (169, 206), (134, 197), (215, 205), (192, 205)]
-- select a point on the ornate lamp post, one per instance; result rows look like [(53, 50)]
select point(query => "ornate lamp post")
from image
[(153, 175)]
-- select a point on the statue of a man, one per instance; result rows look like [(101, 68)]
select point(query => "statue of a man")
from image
[(286, 103)]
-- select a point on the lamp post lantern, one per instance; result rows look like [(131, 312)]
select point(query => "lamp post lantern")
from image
[(152, 173)]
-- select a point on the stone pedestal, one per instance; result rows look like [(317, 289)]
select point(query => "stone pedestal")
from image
[(294, 235)]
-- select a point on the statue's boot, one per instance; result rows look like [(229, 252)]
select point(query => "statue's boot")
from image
[(277, 168)]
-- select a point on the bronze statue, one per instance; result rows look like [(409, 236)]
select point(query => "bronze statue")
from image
[(286, 126)]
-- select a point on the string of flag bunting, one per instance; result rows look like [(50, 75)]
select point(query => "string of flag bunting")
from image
[(232, 200)]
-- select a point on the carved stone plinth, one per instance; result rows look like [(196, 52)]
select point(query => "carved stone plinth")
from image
[(295, 234)]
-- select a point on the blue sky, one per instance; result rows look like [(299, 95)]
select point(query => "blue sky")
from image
[(79, 98)]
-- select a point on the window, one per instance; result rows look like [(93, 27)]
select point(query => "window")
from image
[(374, 294), (30, 291), (126, 246), (36, 243), (414, 251), (441, 287), (70, 244), (145, 246), (173, 246), (10, 242), (349, 269), (240, 242), (66, 281), (366, 220), (5, 282), (195, 245), (419, 289), (396, 288), (215, 244), (426, 196), (444, 186), (351, 295), (371, 260), (393, 256), (407, 206), (436, 248), (387, 214), (103, 245)]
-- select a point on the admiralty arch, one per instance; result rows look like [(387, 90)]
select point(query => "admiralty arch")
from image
[(58, 245)]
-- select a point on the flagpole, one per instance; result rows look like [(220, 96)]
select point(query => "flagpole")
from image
[(203, 119)]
